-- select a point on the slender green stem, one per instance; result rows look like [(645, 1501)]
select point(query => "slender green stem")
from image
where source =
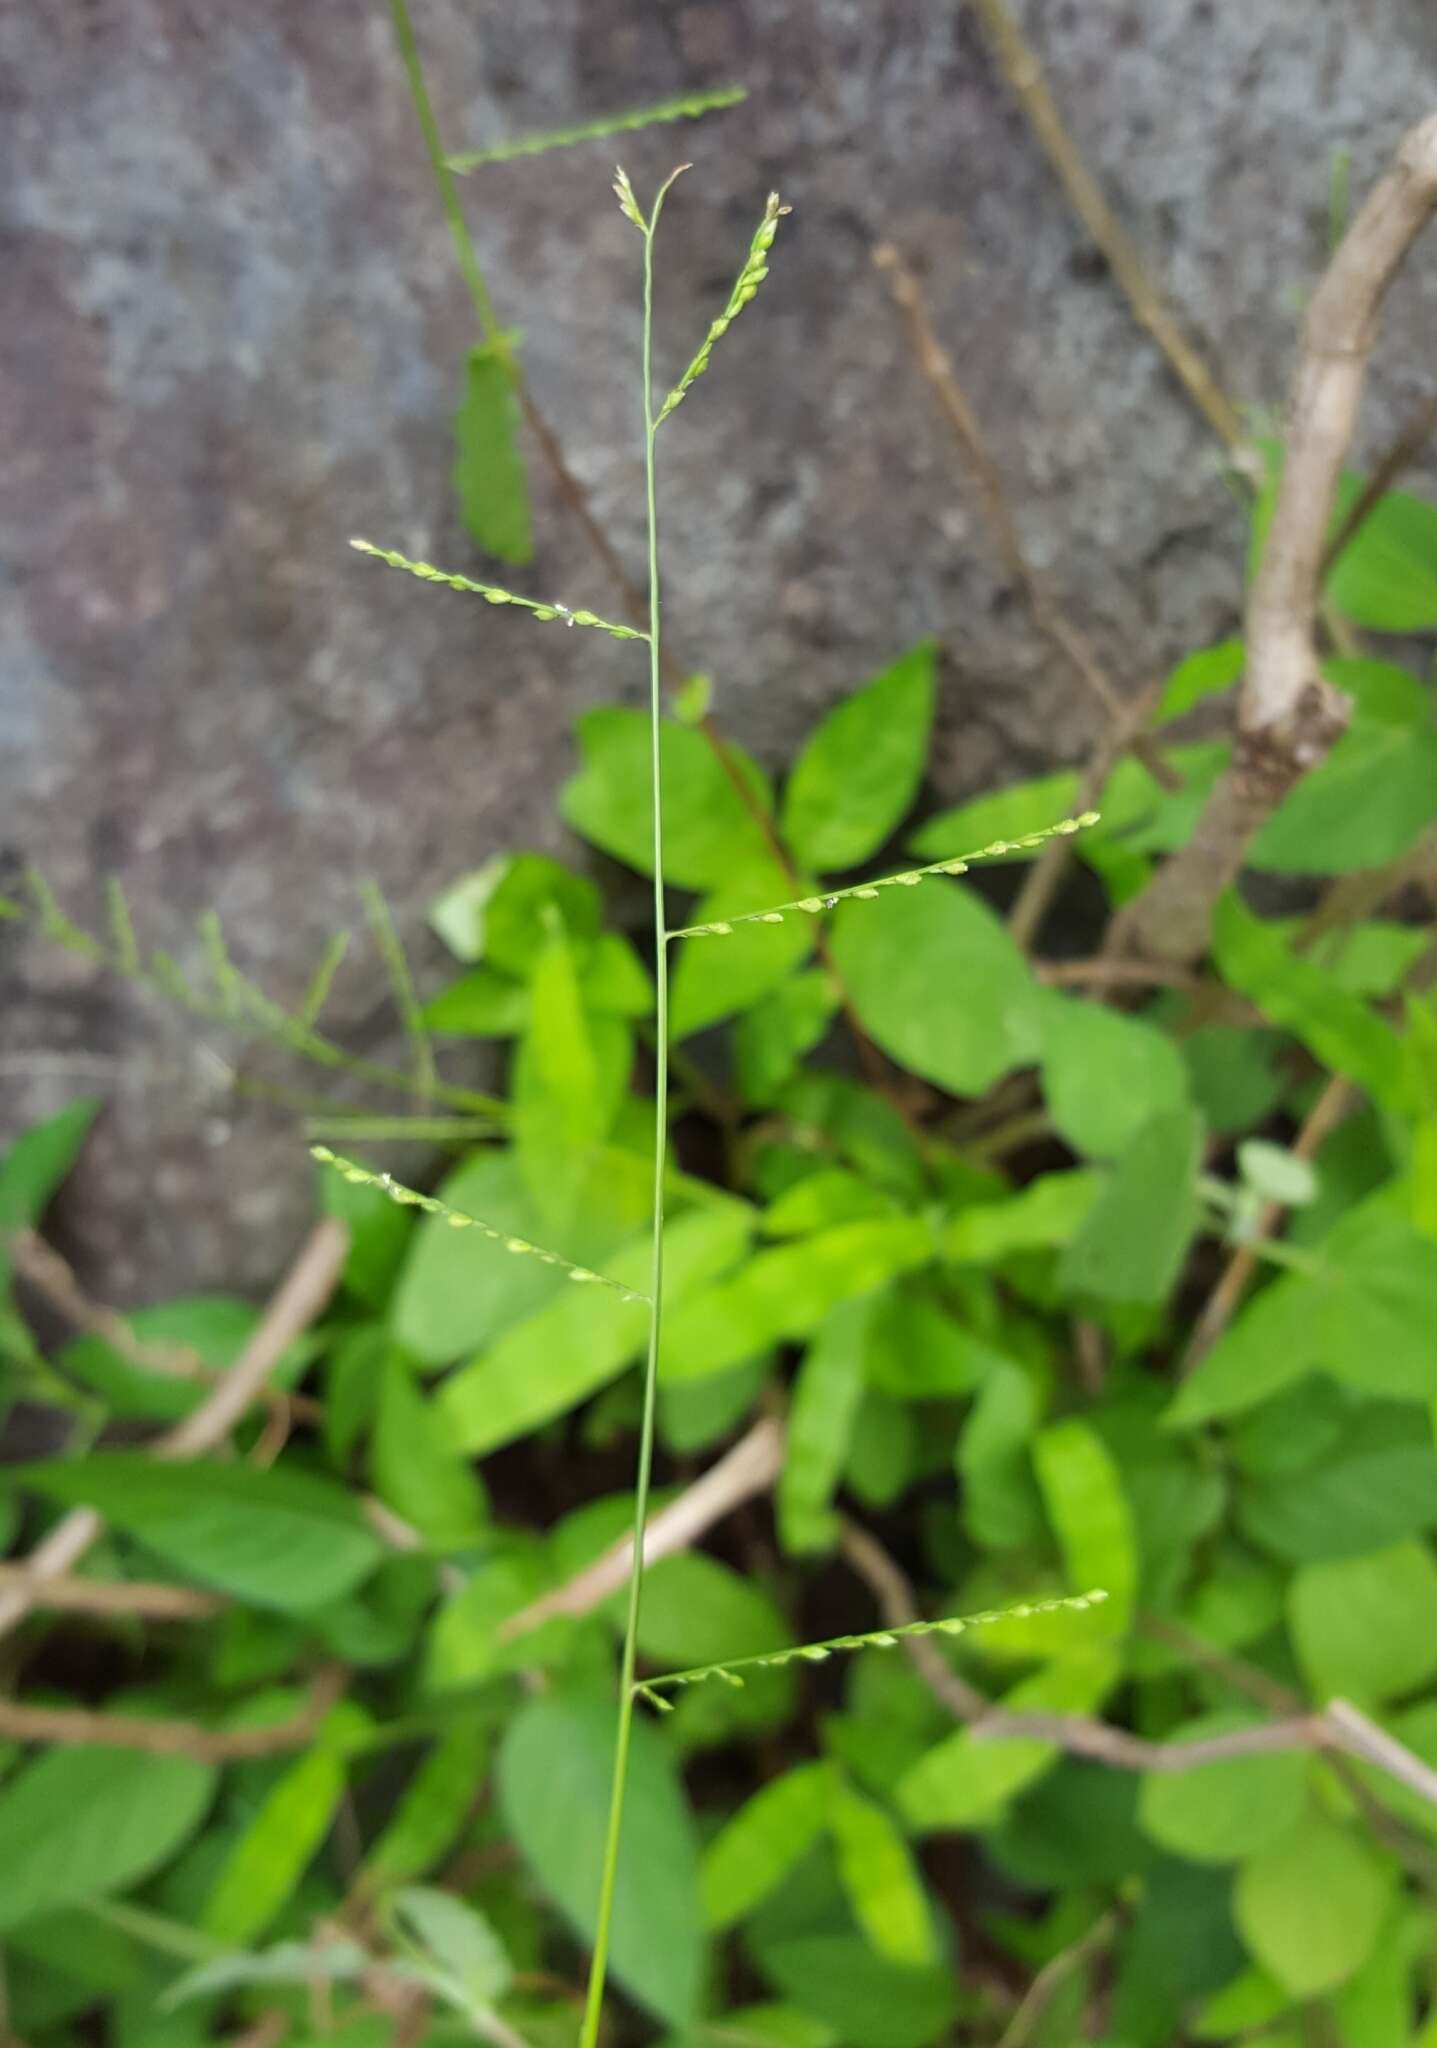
[(594, 2003), (444, 179)]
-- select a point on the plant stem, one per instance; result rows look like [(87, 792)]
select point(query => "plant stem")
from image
[(594, 2002)]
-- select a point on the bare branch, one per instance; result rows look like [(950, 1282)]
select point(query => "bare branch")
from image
[(1054, 1973), (1020, 67), (142, 1599), (301, 1295), (749, 1468), (1288, 715), (156, 1737)]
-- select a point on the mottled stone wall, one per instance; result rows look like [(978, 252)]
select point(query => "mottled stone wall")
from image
[(231, 338)]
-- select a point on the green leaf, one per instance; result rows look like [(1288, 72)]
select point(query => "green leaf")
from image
[(712, 981), (501, 913), (1369, 1495), (1222, 1812), (967, 1781), (1083, 1494), (1105, 1074), (80, 1823), (1006, 814), (1373, 794), (570, 1075), (824, 1199), (484, 1003), (1234, 1075), (1047, 1213), (859, 771), (1365, 1315), (464, 1961), (1132, 1243), (709, 829), (881, 1879), (262, 1870), (1309, 1905), (1367, 1626), (759, 1844), (215, 1327), (281, 1538), (698, 1611), (1201, 675), (489, 479), (1338, 1029), (783, 1294), (378, 1234), (883, 1451), (569, 1349), (773, 1034), (554, 1770), (415, 1467), (939, 984), (916, 1351), (39, 1159), (1386, 578), (459, 1291), (435, 1805), (826, 1398), (1001, 1506)]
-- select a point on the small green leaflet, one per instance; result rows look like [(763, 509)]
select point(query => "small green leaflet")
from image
[(489, 479)]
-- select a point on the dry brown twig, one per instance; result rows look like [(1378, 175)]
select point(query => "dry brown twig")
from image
[(1019, 65), (301, 1296), (1288, 716), (1339, 1727), (157, 1737)]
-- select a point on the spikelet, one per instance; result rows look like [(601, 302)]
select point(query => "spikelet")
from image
[(628, 205), (754, 271), (459, 1219), (687, 107), (865, 892), (492, 594), (729, 1673)]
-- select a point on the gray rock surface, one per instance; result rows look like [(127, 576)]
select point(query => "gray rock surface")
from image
[(232, 337)]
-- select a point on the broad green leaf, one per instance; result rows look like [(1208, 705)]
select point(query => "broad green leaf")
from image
[(1386, 578), (713, 978), (769, 2026), (784, 1294), (1083, 1493), (1365, 1315), (462, 1958), (825, 1404), (378, 1234), (698, 1611), (435, 1806), (80, 1823), (1374, 793), (1234, 1075), (1000, 1501), (967, 1780), (261, 1871), (614, 980), (1132, 1243), (1220, 1813), (484, 1003), (859, 771), (861, 1127), (1250, 2001), (940, 986), (489, 479), (1180, 1946), (553, 1779), (694, 1414), (804, 1941), (578, 1342), (1310, 1903), (1047, 1213), (759, 1844), (1007, 814), (415, 1467), (883, 1451), (500, 913), (821, 1200), (709, 829), (39, 1159), (1339, 1029), (881, 1878), (1200, 675), (1077, 1827), (1367, 1625), (459, 1291), (773, 1034), (1358, 1501), (281, 1538), (1105, 1074), (570, 1074), (214, 1327), (916, 1351)]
